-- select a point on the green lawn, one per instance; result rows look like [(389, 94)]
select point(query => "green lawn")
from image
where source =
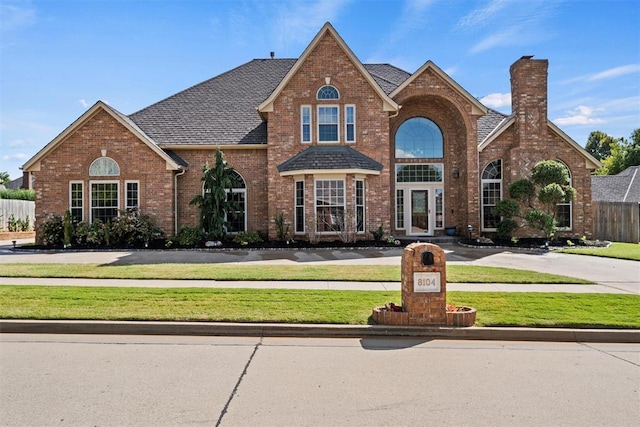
[(357, 273), (306, 306), (629, 251)]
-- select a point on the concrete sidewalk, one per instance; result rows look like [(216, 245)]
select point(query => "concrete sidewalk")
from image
[(315, 285)]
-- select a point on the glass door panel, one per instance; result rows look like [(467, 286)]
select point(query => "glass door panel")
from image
[(419, 211)]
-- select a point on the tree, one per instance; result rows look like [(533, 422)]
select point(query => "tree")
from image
[(622, 154), (599, 144), (539, 196), (214, 203), (4, 178)]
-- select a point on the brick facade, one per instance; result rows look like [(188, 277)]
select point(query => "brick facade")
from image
[(167, 188)]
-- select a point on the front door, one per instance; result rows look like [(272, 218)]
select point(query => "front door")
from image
[(420, 212)]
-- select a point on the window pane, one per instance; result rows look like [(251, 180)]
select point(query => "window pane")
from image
[(104, 201), (419, 138), (328, 124), (419, 173), (306, 123), (77, 201), (132, 195), (328, 92), (329, 205), (299, 196), (400, 209)]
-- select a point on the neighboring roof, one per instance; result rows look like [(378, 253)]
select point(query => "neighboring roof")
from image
[(388, 104), (623, 187), (172, 162), (476, 106), (329, 158), (15, 184)]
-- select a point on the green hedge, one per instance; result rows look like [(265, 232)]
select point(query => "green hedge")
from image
[(18, 194)]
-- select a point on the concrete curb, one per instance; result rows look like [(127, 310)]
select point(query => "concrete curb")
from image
[(299, 330)]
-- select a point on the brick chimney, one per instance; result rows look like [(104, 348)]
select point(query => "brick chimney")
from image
[(529, 101)]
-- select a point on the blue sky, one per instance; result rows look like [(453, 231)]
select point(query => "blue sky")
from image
[(57, 58)]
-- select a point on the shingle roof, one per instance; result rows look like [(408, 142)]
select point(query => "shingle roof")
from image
[(329, 157), (488, 123), (222, 110), (387, 76), (623, 187)]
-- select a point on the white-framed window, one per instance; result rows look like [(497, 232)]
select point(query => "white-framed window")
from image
[(564, 210), (132, 195), (439, 193), (419, 173), (328, 92), (305, 123), (491, 194), (417, 138), (400, 209), (329, 205), (328, 123), (104, 166), (299, 206), (350, 123), (105, 200), (359, 205), (76, 200), (236, 219)]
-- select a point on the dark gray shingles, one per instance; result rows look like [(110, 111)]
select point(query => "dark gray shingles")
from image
[(488, 123), (387, 76), (221, 110), (623, 187), (329, 157)]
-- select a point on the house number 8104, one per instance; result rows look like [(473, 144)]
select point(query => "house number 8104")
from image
[(426, 282)]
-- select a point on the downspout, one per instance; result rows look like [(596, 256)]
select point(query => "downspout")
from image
[(175, 201)]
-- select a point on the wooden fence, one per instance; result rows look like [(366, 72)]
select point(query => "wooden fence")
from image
[(616, 221), (20, 209)]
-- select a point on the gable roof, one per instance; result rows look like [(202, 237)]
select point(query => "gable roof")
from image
[(623, 187), (388, 104), (173, 161), (477, 107), (322, 158)]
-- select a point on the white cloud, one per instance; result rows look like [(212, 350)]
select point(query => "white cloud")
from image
[(482, 15), (83, 103), (16, 156), (615, 72), (582, 115), (496, 100), (15, 17)]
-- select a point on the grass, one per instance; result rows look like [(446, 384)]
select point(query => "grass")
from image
[(629, 251), (363, 273), (306, 306)]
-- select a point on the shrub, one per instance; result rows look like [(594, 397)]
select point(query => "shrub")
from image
[(246, 238), (282, 228), (51, 231), (190, 236), (378, 233), (20, 194)]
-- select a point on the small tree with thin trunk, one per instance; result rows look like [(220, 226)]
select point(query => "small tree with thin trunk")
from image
[(215, 204)]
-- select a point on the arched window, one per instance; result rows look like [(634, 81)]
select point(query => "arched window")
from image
[(328, 92), (419, 137), (564, 209), (491, 194), (237, 219), (104, 166)]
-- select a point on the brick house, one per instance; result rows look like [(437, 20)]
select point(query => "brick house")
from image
[(316, 139)]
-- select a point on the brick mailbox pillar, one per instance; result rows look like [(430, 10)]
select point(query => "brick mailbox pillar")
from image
[(424, 292), (424, 284)]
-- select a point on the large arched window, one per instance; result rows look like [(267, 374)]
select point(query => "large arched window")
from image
[(491, 194), (419, 137)]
